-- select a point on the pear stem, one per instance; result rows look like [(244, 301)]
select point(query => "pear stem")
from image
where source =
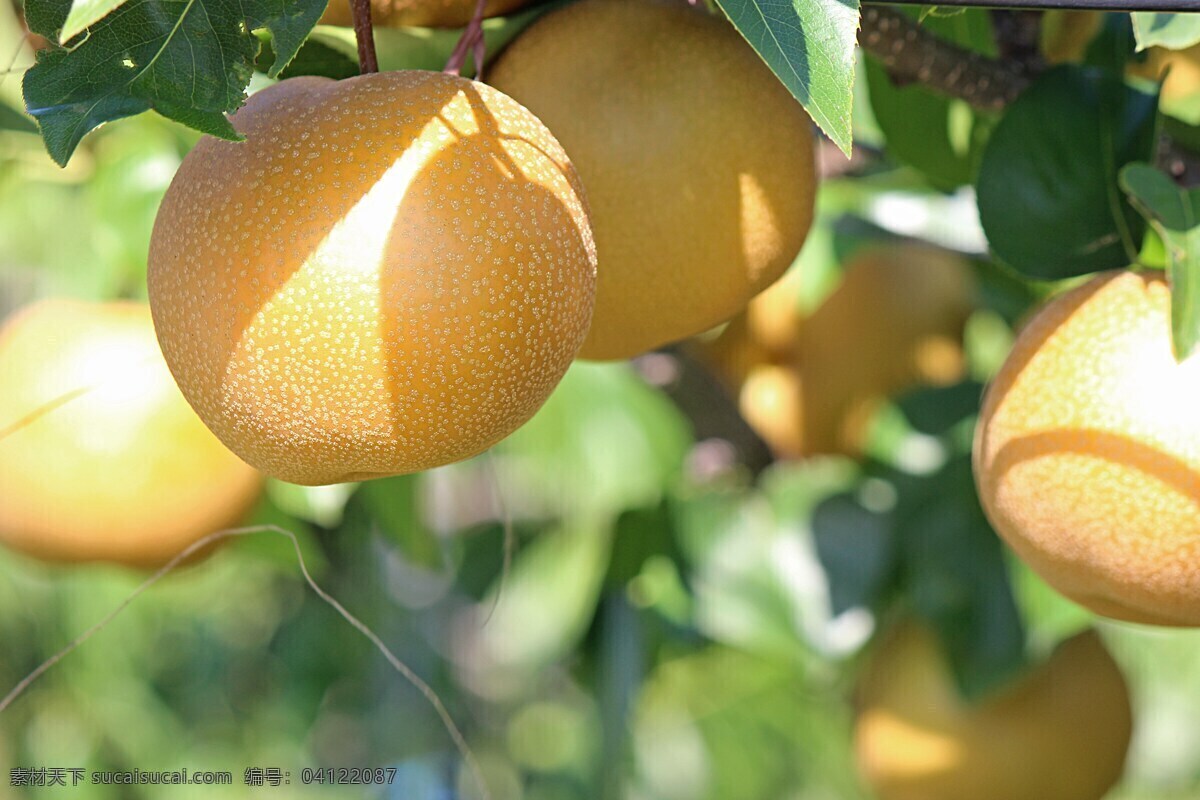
[(472, 42), (364, 33)]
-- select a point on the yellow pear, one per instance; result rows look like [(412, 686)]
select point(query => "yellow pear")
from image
[(391, 273), (698, 164), (101, 458), (1059, 732)]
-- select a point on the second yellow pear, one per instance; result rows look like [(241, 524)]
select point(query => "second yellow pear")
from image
[(895, 322), (696, 161), (810, 384)]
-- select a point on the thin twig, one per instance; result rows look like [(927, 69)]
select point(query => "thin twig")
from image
[(364, 34), (472, 42), (424, 688), (509, 534), (10, 67)]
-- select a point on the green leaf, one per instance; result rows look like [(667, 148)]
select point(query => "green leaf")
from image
[(314, 58), (46, 17), (190, 60), (275, 549), (83, 14), (639, 535), (743, 561), (555, 453), (1174, 213), (1048, 615), (288, 21), (809, 44), (1047, 187), (394, 504), (938, 136), (320, 505), (762, 728), (857, 550), (620, 667), (957, 577), (549, 599), (934, 410), (1113, 47), (13, 120), (1185, 133), (1172, 31)]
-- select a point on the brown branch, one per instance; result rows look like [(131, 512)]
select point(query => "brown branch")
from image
[(1036, 5), (707, 403), (912, 54), (364, 34)]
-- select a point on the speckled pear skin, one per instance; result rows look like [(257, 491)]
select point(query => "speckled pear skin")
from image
[(391, 273), (698, 163), (1087, 452), (101, 459)]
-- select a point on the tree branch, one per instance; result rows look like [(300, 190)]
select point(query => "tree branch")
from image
[(706, 401), (1099, 5), (912, 54)]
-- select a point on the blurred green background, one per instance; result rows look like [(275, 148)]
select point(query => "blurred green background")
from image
[(681, 619)]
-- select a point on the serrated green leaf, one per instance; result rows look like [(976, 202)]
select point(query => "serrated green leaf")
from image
[(1047, 186), (1174, 213), (288, 21), (46, 17), (210, 122), (83, 14), (1172, 31), (188, 59), (314, 58), (809, 45)]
